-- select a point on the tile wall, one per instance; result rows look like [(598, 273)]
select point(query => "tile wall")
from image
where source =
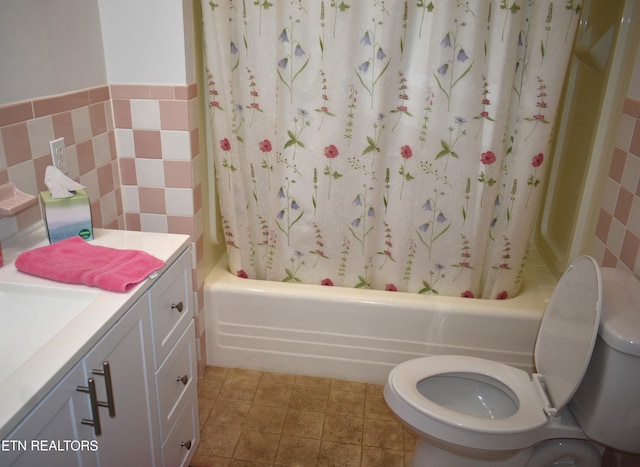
[(84, 119), (135, 148), (157, 142), (617, 236)]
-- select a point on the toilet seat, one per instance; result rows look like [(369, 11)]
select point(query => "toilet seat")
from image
[(563, 349), (530, 415)]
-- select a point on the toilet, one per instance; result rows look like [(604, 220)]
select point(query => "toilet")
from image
[(585, 394)]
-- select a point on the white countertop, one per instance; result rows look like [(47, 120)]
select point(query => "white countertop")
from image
[(23, 388)]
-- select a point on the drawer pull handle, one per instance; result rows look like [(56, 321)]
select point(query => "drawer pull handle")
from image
[(184, 379), (179, 307), (93, 398), (106, 372), (186, 444)]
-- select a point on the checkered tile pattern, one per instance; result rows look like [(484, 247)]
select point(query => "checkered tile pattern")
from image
[(85, 121), (617, 236), (157, 143), (136, 149)]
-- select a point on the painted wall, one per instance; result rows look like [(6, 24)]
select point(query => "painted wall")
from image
[(49, 47), (147, 41)]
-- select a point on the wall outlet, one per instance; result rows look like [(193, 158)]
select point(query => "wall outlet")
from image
[(58, 155)]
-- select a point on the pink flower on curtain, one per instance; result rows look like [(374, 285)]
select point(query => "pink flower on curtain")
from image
[(467, 294), (406, 152), (502, 295), (486, 102), (225, 145), (488, 158), (265, 145), (538, 159), (533, 180), (390, 288), (327, 282), (331, 152), (541, 105), (242, 274)]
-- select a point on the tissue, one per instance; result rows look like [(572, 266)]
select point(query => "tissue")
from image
[(59, 185), (67, 211)]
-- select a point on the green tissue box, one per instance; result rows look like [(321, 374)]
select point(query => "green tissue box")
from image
[(67, 217)]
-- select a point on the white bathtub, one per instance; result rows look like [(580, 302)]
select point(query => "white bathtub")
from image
[(360, 335)]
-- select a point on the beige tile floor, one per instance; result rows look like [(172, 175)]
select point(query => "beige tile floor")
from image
[(253, 418)]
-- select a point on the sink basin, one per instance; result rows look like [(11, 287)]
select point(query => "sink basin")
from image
[(30, 316)]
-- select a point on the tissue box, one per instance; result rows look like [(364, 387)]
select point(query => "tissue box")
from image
[(67, 217)]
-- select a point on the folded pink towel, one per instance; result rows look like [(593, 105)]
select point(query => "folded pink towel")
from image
[(74, 261)]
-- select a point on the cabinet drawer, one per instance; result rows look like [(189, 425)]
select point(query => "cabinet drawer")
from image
[(181, 444), (176, 379), (171, 307)]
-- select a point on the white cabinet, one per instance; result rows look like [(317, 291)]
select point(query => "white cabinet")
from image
[(174, 348), (55, 418), (122, 370), (131, 400), (121, 427)]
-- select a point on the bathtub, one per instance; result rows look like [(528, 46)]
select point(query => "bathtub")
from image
[(359, 335)]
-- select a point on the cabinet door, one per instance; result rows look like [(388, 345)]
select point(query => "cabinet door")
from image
[(52, 434), (121, 363)]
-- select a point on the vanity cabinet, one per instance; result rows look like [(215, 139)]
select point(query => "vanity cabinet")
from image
[(121, 369), (131, 400), (55, 418)]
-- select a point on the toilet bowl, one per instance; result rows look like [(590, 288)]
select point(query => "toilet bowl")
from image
[(472, 412), (469, 411), (453, 392)]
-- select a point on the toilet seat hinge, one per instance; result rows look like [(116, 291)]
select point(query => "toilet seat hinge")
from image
[(538, 381)]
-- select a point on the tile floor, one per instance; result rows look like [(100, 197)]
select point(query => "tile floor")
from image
[(253, 418)]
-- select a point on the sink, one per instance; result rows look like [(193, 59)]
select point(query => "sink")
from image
[(30, 316)]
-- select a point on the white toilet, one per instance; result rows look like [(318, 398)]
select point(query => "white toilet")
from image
[(469, 411)]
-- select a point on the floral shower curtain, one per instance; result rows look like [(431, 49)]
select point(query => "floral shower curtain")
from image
[(396, 145)]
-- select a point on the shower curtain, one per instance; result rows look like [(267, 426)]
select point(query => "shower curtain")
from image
[(397, 145)]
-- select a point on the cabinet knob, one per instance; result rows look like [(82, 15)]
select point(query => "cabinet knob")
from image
[(186, 444), (184, 379), (179, 306)]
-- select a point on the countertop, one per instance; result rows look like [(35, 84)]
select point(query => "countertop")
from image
[(21, 390)]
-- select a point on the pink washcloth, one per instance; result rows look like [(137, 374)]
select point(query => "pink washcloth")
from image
[(74, 261)]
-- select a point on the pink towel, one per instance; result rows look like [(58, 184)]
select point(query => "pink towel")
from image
[(74, 261)]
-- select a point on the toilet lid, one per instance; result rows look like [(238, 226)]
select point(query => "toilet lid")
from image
[(569, 329)]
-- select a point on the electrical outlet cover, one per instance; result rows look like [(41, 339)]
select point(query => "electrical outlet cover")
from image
[(58, 155)]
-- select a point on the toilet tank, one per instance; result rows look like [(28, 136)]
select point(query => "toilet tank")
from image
[(607, 403)]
